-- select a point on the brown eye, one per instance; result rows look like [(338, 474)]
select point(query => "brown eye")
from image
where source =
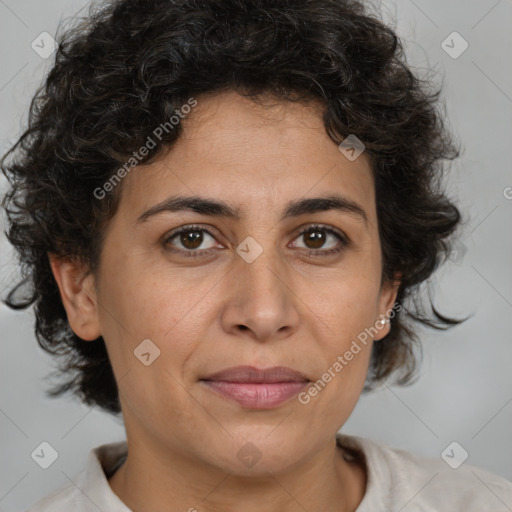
[(314, 239), (192, 240), (321, 240)]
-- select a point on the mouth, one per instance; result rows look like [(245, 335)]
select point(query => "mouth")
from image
[(253, 388)]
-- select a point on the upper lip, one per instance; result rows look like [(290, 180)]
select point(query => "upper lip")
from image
[(255, 375)]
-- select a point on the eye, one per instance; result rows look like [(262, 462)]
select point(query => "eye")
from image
[(194, 241), (190, 241), (322, 240)]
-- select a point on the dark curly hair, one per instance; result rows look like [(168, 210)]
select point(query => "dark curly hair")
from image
[(126, 67)]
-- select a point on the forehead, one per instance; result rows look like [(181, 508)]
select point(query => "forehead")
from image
[(256, 156)]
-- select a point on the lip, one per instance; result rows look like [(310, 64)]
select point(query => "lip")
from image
[(255, 388)]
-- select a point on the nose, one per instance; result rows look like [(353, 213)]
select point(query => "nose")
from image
[(260, 301)]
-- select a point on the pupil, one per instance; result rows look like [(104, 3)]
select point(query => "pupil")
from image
[(317, 237), (191, 239)]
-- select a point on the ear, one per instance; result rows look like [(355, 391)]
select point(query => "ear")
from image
[(78, 295), (386, 301)]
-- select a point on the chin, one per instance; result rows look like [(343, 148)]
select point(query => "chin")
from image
[(258, 451)]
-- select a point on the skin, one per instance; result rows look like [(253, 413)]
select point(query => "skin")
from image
[(214, 311)]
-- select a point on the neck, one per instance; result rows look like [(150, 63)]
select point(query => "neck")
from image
[(150, 481)]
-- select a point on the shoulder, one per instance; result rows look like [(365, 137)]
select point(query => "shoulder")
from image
[(64, 498), (89, 491), (409, 482)]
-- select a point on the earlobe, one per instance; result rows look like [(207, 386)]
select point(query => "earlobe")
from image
[(77, 292), (387, 300)]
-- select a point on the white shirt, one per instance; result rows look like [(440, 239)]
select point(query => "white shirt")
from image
[(398, 481)]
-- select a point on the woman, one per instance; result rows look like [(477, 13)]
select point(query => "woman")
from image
[(224, 208)]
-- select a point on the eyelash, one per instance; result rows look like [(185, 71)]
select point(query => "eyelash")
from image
[(344, 241)]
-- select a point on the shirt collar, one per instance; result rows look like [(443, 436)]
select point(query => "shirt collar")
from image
[(103, 461), (93, 483)]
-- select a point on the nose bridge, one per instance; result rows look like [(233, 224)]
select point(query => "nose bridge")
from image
[(261, 298), (266, 272), (262, 278)]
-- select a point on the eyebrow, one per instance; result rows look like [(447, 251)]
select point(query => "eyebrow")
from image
[(215, 208)]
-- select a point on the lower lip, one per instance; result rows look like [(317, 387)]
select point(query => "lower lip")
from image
[(264, 395)]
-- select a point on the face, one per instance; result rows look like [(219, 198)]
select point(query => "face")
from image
[(268, 279)]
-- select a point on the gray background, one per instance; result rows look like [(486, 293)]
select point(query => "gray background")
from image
[(464, 393)]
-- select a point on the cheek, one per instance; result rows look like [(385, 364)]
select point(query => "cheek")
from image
[(137, 305), (345, 355), (347, 310), (345, 303), (140, 301)]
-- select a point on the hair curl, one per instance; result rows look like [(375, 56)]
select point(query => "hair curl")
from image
[(122, 70)]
